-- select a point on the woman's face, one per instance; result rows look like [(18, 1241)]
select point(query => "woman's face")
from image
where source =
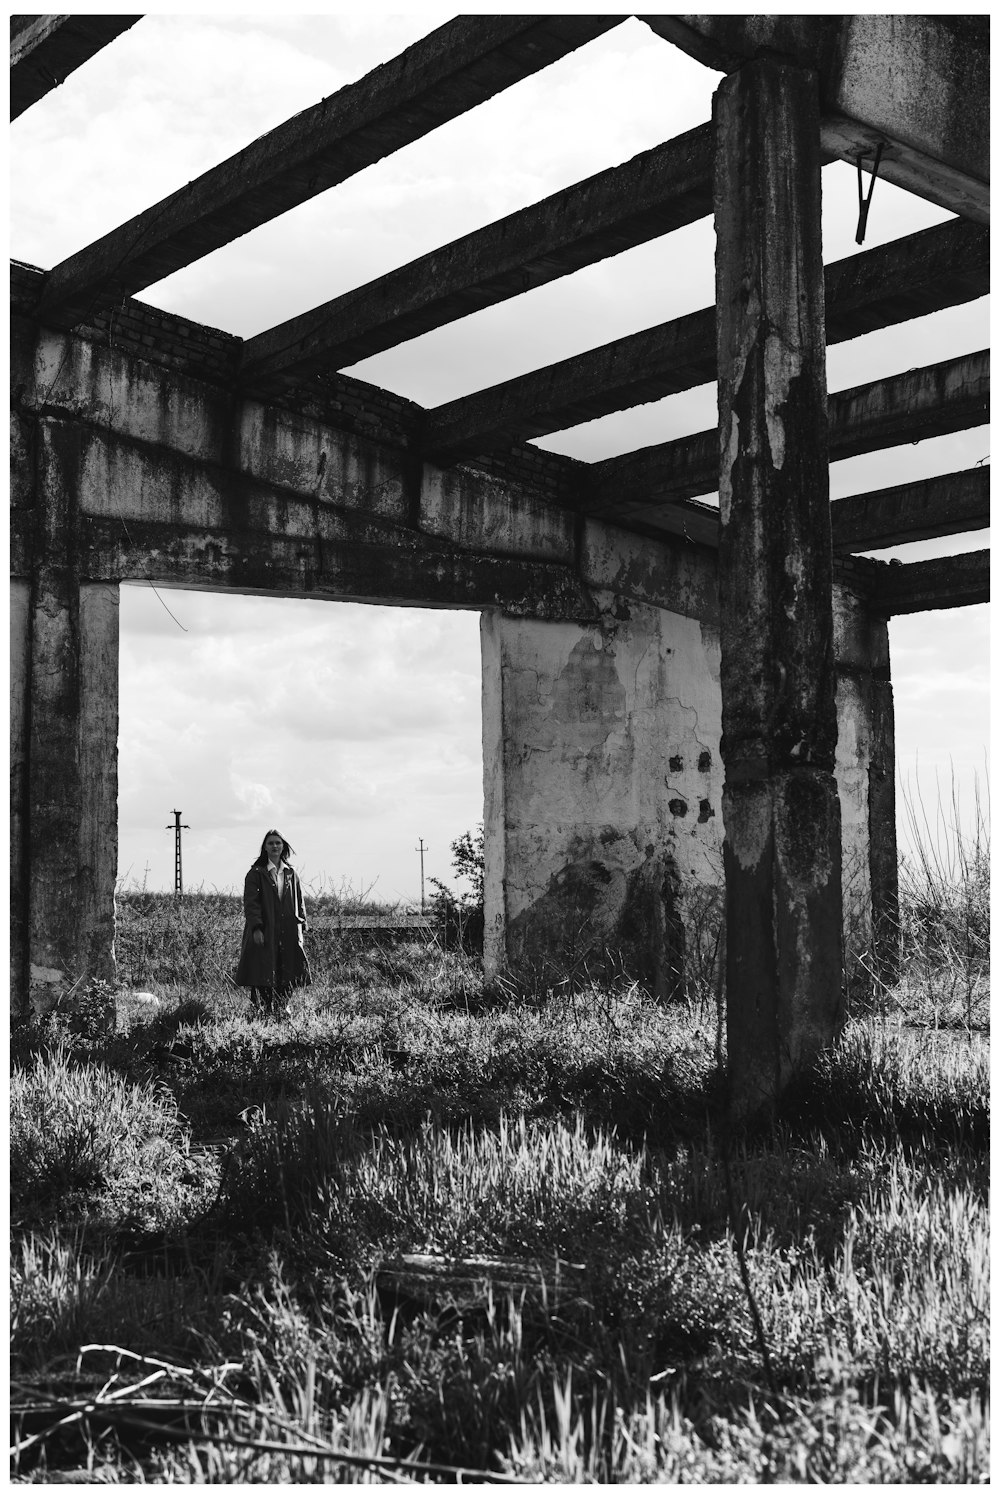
[(272, 847)]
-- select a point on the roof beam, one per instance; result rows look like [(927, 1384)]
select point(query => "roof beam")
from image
[(44, 50), (945, 505), (929, 402), (917, 85), (440, 77), (938, 583), (939, 267), (643, 367), (650, 195)]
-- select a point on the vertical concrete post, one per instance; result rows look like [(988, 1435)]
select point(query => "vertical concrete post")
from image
[(20, 651), (882, 852), (72, 732), (780, 807)]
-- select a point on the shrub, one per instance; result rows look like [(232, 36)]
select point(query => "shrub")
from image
[(86, 1143)]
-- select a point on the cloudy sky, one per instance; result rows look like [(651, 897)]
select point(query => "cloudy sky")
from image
[(372, 741)]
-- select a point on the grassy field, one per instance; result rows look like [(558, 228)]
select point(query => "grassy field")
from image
[(429, 1224)]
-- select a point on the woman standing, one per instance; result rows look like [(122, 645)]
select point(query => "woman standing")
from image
[(272, 957)]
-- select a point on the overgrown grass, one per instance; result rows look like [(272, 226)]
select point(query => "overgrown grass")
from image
[(219, 1210)]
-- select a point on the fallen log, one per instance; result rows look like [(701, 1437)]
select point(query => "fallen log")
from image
[(435, 1282)]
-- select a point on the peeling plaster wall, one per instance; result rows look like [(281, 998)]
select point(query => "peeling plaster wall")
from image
[(603, 787)]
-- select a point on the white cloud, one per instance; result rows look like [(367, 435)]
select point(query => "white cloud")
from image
[(358, 727), (253, 797)]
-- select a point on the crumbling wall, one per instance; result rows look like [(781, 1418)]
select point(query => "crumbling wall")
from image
[(603, 789)]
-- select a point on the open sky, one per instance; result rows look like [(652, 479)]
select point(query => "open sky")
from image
[(352, 728)]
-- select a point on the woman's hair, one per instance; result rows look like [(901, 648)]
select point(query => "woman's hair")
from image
[(286, 848)]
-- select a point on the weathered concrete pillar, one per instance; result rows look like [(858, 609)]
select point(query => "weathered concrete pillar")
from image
[(602, 794), (20, 657), (883, 854), (780, 808), (70, 787), (865, 771)]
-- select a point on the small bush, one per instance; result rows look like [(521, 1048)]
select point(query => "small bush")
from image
[(85, 1143)]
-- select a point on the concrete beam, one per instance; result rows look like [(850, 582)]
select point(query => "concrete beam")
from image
[(929, 402), (918, 85), (938, 583), (462, 539), (643, 367), (946, 397), (650, 195), (939, 267), (444, 74), (908, 278), (943, 506), (145, 512), (781, 810), (44, 50)]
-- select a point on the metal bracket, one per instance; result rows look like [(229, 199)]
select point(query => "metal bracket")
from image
[(864, 203)]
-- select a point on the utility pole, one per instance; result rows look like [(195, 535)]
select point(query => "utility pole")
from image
[(177, 825), (422, 850)]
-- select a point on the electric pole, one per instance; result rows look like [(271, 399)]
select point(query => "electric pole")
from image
[(177, 825), (422, 850)]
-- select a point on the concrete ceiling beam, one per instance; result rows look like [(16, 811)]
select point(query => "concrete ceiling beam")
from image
[(446, 73), (938, 583), (916, 85), (941, 398), (655, 192), (946, 505), (929, 402), (937, 268), (44, 50)]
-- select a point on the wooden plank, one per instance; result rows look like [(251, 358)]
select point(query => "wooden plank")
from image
[(938, 583), (925, 272), (440, 77), (44, 50), (945, 505), (650, 195), (940, 398)]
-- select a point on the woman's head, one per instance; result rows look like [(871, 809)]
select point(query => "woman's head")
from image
[(274, 847)]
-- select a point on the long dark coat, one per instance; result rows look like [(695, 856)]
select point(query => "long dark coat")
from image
[(281, 962)]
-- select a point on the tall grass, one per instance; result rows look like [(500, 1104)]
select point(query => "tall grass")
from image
[(86, 1142), (231, 1205), (944, 904)]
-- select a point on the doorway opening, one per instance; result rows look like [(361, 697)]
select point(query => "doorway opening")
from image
[(353, 728)]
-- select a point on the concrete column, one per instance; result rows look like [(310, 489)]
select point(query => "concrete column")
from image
[(70, 796), (883, 854), (602, 797), (20, 653), (865, 778), (780, 807)]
